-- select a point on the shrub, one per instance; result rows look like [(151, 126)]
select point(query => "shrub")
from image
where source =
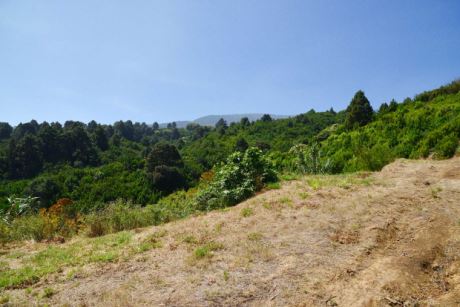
[(236, 180), (309, 159), (116, 217), (446, 147)]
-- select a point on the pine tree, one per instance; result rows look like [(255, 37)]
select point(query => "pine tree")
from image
[(359, 112)]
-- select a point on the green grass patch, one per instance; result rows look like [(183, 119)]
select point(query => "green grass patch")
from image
[(345, 181), (273, 186), (55, 258), (48, 292), (207, 250), (245, 212), (289, 176)]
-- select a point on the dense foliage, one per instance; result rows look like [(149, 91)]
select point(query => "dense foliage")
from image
[(169, 173), (237, 179), (412, 129)]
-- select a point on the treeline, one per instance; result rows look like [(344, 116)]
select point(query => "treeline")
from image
[(93, 163)]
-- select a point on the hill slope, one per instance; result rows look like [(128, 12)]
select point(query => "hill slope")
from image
[(368, 239)]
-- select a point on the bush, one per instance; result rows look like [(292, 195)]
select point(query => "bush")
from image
[(240, 177), (446, 147), (120, 216), (309, 159)]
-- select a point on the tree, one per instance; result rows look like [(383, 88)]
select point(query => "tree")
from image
[(393, 105), (92, 125), (266, 118), (167, 178), (79, 147), (221, 123), (124, 129), (359, 112), (5, 130), (163, 154), (383, 108), (175, 134), (245, 122), (25, 157), (100, 138), (155, 126), (47, 190), (51, 148), (221, 126), (241, 145)]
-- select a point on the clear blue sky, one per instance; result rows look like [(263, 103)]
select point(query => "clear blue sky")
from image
[(172, 60)]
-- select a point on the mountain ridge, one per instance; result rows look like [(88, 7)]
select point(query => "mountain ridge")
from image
[(211, 120)]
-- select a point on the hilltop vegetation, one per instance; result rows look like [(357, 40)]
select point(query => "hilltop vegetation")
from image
[(177, 171)]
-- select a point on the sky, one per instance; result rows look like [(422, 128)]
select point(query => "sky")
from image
[(178, 60)]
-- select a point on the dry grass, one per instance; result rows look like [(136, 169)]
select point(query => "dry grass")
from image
[(351, 240)]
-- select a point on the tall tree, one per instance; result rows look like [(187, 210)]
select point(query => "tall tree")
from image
[(266, 118), (25, 158), (241, 145), (5, 131), (163, 154), (359, 112)]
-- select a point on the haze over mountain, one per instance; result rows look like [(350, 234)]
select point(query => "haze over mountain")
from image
[(211, 120)]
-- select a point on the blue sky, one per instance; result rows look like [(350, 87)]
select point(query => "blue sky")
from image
[(173, 60)]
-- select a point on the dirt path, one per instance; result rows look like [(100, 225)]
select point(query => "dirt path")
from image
[(391, 239)]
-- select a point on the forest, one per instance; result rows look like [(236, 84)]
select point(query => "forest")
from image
[(62, 179)]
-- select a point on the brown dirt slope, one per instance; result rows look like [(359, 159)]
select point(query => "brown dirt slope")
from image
[(385, 239)]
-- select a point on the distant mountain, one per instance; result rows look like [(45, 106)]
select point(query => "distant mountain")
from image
[(211, 120)]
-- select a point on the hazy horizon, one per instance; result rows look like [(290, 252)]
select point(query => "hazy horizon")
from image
[(169, 61)]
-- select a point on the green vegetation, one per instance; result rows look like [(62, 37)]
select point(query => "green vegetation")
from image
[(245, 212), (54, 258), (207, 250), (60, 180)]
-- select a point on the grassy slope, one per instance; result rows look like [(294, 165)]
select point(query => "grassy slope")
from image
[(387, 238)]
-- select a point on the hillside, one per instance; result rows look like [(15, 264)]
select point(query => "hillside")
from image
[(390, 238), (94, 164)]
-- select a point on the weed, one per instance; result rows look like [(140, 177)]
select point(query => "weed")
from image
[(267, 206), (289, 176), (285, 201), (255, 236), (435, 191), (71, 274), (160, 233), (4, 299), (151, 242), (226, 275), (190, 239), (245, 212), (314, 183), (219, 226), (303, 195), (273, 186), (207, 250), (48, 292)]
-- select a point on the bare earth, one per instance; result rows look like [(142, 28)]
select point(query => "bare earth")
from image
[(388, 239)]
